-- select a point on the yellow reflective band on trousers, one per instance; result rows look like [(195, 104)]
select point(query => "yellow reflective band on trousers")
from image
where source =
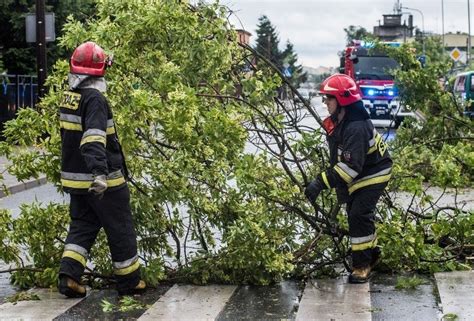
[(325, 179), (86, 184), (369, 181), (92, 139), (364, 246), (75, 256), (70, 126), (128, 269), (110, 130)]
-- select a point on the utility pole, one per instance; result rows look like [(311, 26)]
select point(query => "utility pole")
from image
[(468, 58), (442, 20), (40, 47), (422, 26)]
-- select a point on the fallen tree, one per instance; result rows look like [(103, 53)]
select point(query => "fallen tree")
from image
[(218, 161)]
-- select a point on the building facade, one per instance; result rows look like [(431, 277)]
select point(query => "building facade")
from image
[(392, 28)]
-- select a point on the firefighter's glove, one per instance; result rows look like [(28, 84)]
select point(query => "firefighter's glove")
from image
[(98, 186), (313, 189)]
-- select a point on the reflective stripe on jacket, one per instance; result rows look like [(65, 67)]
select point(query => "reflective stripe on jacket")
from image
[(90, 145)]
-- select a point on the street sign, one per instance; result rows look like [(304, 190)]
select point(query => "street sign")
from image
[(30, 22), (422, 60), (455, 54)]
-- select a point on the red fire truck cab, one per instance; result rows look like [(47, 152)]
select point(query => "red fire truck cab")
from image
[(370, 68)]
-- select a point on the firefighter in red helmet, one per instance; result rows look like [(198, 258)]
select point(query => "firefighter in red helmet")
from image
[(360, 169), (93, 172)]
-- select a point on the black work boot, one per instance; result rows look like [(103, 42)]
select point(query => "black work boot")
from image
[(138, 289), (71, 288), (360, 274)]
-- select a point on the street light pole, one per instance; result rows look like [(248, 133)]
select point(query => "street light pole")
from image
[(442, 19), (40, 46), (422, 26), (468, 33)]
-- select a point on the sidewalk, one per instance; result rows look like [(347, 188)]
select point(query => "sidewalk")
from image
[(14, 186)]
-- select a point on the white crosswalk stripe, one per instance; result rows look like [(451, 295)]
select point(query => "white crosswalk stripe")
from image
[(186, 302), (456, 290), (335, 299), (50, 305)]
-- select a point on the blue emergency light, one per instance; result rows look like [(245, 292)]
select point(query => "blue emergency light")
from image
[(380, 92), (366, 44), (370, 44)]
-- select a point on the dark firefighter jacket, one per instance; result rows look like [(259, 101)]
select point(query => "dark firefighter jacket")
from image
[(358, 154), (90, 145)]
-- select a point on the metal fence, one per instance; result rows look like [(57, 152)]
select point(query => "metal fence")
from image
[(16, 91)]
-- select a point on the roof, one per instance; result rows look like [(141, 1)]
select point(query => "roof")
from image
[(243, 31)]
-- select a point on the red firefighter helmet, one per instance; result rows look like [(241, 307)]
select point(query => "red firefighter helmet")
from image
[(89, 59), (342, 87)]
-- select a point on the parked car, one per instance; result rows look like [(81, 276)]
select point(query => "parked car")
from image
[(463, 90)]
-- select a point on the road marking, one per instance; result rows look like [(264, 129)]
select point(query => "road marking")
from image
[(455, 291), (335, 299), (50, 305), (187, 302)]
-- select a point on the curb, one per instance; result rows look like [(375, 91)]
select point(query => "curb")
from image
[(20, 187)]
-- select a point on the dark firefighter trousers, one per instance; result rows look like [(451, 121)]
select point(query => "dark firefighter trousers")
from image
[(361, 215), (88, 215)]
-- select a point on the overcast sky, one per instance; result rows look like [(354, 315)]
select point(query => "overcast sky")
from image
[(316, 27)]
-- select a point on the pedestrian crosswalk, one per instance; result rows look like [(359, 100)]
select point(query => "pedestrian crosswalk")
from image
[(325, 299), (335, 299), (187, 302), (49, 305)]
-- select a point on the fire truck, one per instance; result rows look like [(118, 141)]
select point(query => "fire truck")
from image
[(370, 68)]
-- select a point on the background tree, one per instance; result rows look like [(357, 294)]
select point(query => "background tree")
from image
[(356, 33), (19, 56), (298, 76), (267, 42)]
